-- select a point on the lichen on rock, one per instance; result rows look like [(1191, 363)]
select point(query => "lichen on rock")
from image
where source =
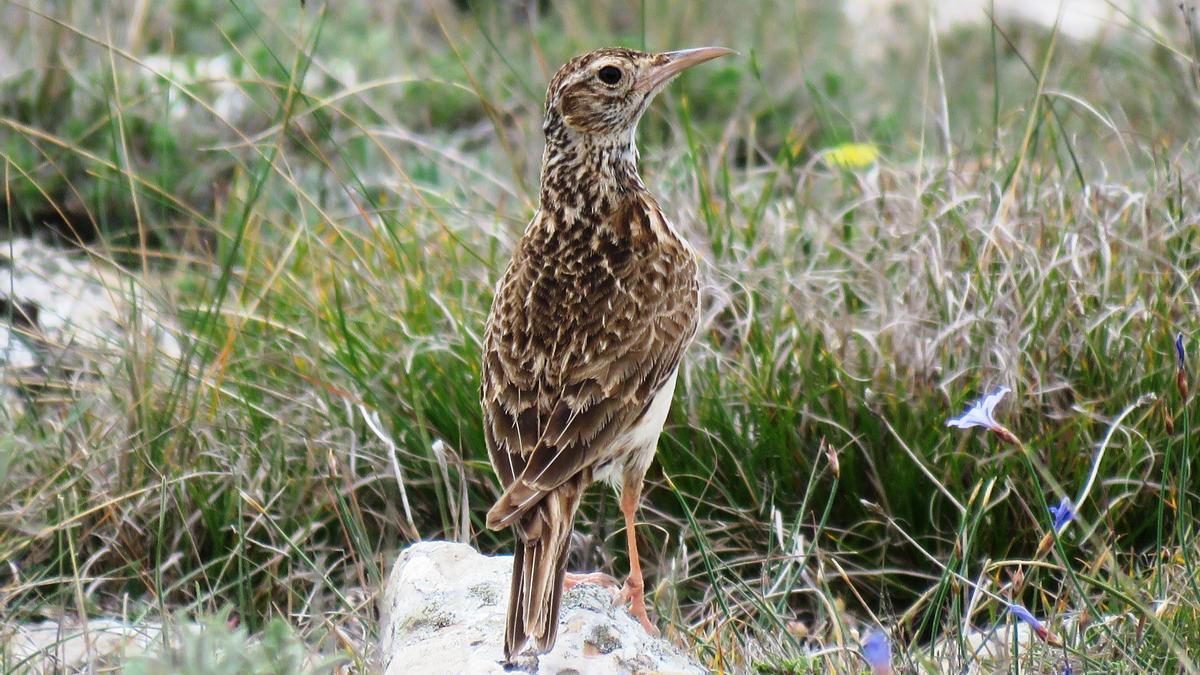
[(467, 593)]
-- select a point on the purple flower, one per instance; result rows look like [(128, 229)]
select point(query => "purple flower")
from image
[(1063, 513), (877, 650), (1026, 616)]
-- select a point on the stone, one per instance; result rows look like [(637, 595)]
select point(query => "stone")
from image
[(16, 359), (80, 308), (66, 315), (443, 612), (55, 647), (1076, 19)]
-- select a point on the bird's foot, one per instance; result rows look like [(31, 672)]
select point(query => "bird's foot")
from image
[(633, 592), (599, 578)]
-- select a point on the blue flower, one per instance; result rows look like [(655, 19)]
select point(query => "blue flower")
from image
[(1063, 513), (1181, 376), (1026, 616), (981, 413), (877, 650)]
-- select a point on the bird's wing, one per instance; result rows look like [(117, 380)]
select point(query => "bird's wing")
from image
[(571, 362)]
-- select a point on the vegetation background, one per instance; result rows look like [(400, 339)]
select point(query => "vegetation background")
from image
[(893, 220)]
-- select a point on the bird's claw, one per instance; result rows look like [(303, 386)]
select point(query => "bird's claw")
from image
[(572, 580), (634, 594)]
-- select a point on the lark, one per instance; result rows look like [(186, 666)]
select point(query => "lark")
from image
[(586, 332)]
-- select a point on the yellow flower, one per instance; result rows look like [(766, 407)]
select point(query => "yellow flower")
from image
[(852, 155)]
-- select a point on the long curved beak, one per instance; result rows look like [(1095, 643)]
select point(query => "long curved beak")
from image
[(677, 62)]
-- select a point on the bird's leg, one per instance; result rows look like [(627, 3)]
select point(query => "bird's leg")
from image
[(633, 591), (571, 580)]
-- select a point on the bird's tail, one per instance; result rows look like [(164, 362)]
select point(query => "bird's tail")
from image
[(539, 567)]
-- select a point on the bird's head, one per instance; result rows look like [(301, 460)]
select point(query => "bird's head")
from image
[(603, 93)]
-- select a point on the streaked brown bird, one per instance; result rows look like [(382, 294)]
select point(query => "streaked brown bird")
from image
[(586, 332)]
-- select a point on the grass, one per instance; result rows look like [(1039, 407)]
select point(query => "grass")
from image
[(323, 196)]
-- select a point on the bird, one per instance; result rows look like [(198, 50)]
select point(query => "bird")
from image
[(587, 328)]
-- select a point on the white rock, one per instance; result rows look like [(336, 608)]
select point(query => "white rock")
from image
[(87, 311), (12, 407), (15, 358), (443, 612), (14, 353), (223, 74), (1080, 19), (54, 647)]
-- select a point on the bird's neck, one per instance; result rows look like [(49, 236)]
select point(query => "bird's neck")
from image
[(586, 176)]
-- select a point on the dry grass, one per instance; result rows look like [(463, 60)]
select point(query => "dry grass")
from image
[(323, 214)]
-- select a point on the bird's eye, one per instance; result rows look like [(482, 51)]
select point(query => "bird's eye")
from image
[(609, 74)]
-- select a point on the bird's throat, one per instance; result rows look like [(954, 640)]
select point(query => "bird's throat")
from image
[(585, 176)]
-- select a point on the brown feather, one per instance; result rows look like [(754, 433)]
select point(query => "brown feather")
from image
[(588, 324), (539, 565)]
